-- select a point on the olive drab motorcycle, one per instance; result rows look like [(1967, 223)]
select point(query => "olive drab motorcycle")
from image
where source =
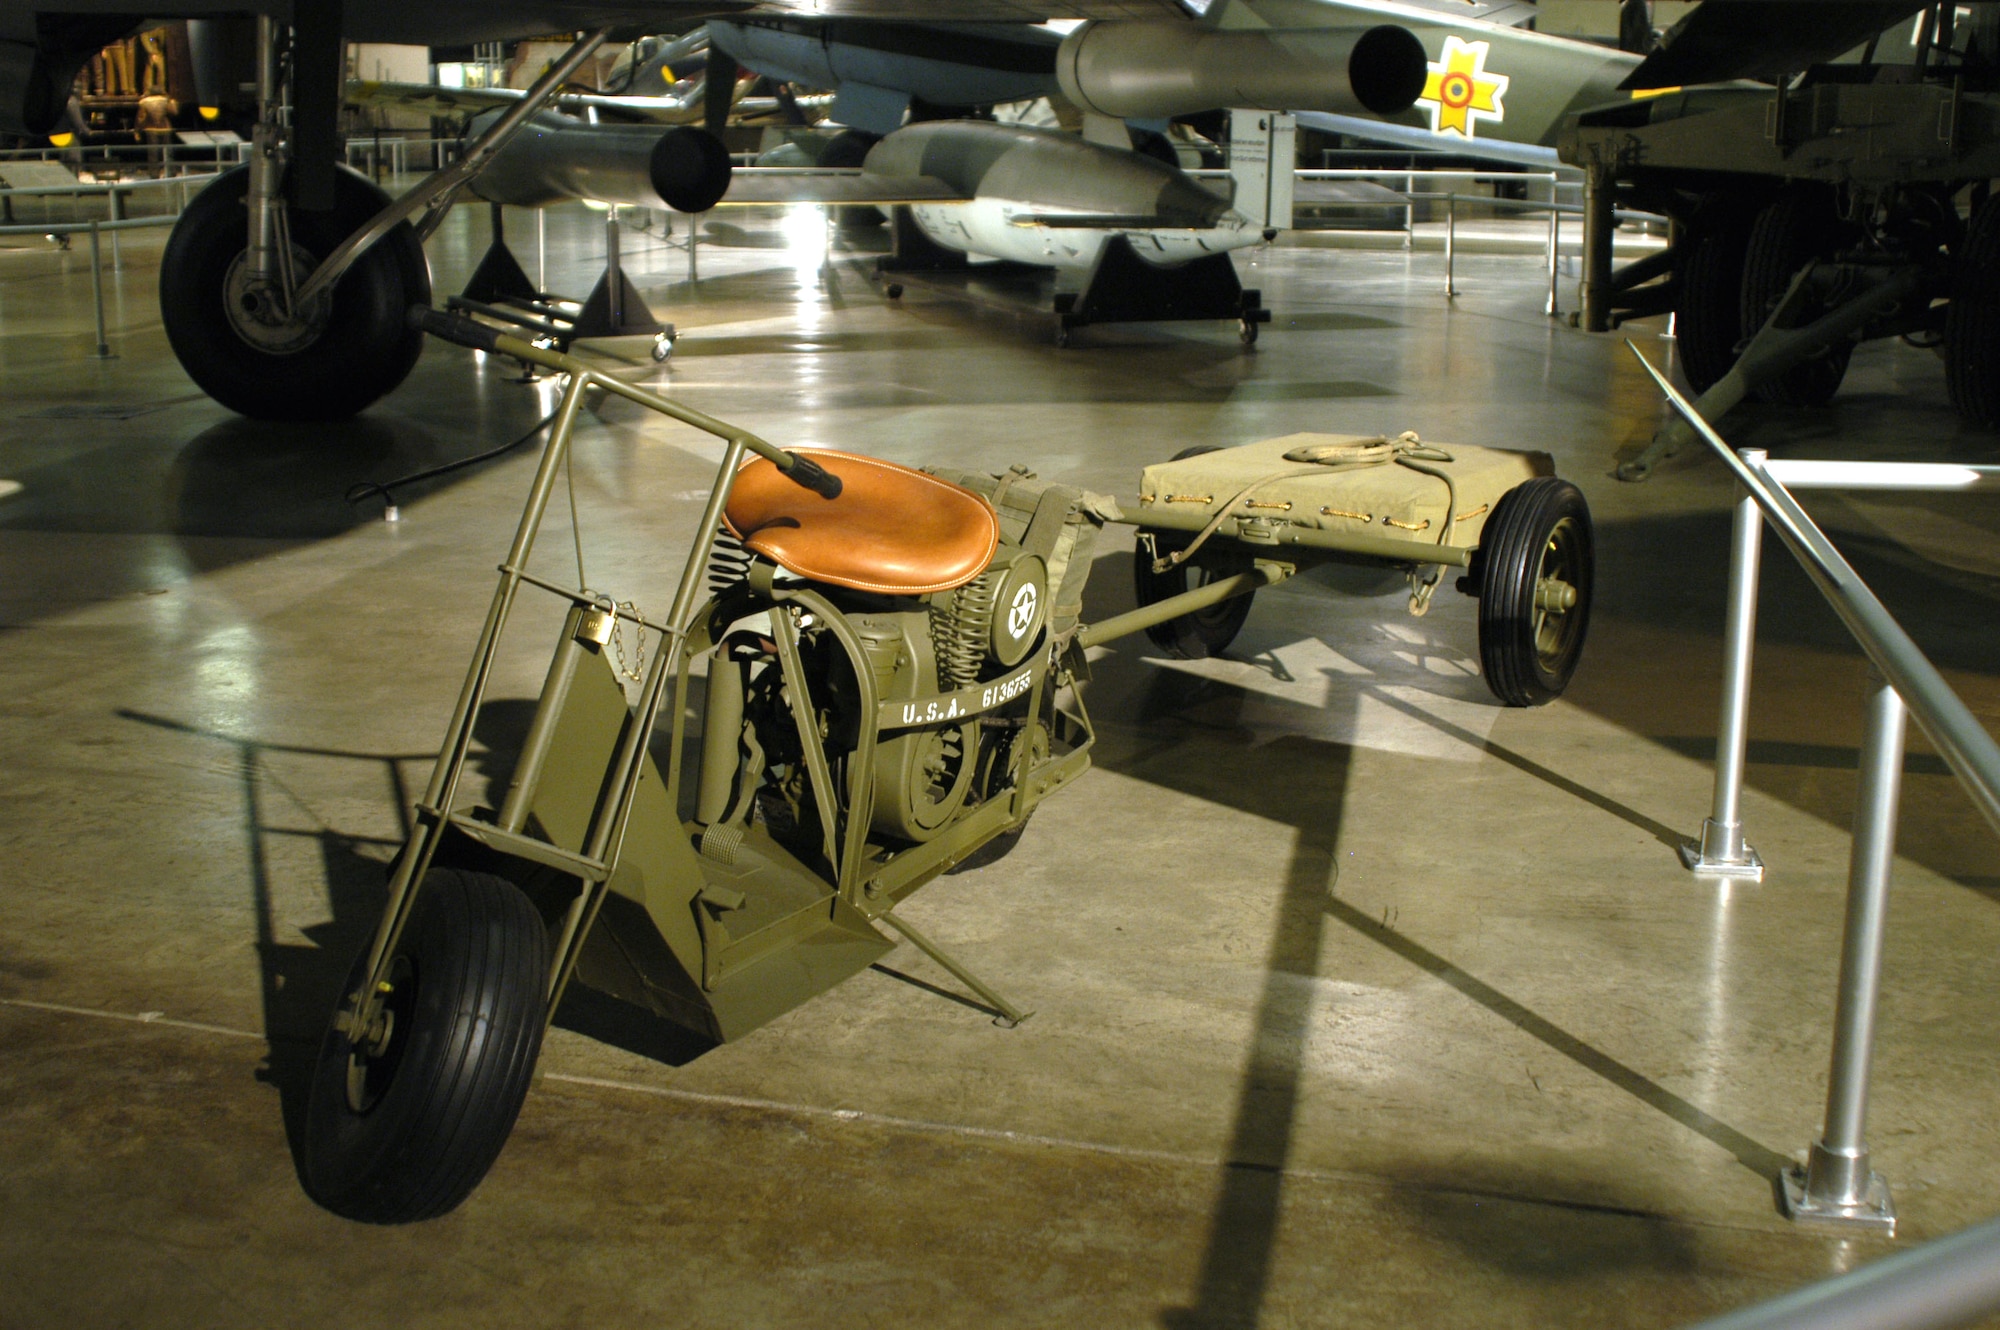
[(889, 668)]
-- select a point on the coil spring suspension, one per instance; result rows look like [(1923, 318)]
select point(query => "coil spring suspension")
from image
[(728, 562), (960, 628)]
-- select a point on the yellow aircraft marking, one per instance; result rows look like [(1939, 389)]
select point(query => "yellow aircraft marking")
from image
[(1460, 92)]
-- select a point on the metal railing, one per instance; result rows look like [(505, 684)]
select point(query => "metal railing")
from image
[(1952, 1281), (1552, 251), (112, 191), (1837, 1185), (1554, 207), (97, 229), (373, 151), (1409, 176), (133, 156)]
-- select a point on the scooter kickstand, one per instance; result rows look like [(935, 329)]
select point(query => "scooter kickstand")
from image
[(1009, 1015)]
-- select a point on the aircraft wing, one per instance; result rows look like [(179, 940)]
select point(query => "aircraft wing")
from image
[(428, 98), (1416, 137), (457, 22), (784, 184), (1506, 13), (1762, 39), (440, 101)]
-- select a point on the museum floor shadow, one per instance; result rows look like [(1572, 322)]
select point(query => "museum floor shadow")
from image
[(1187, 734), (236, 490), (302, 984)]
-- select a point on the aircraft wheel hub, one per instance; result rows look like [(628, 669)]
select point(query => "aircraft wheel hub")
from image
[(256, 308)]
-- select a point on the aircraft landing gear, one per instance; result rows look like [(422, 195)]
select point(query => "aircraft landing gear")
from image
[(229, 292), (237, 334), (284, 285)]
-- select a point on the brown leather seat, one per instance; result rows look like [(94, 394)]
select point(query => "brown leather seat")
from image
[(893, 530)]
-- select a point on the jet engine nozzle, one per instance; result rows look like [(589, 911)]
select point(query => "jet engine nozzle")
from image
[(554, 157), (1148, 70), (689, 169)]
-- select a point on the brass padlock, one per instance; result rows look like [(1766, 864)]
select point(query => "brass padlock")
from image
[(597, 625)]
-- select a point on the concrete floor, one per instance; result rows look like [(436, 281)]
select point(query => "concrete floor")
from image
[(1359, 1000)]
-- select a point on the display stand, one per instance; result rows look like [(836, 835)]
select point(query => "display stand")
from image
[(500, 290), (1121, 287)]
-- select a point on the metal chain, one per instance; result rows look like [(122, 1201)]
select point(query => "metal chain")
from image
[(636, 671)]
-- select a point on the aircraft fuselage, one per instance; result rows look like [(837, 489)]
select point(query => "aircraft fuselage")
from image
[(1044, 197)]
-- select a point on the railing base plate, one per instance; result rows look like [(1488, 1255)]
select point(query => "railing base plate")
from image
[(1750, 868), (1876, 1214)]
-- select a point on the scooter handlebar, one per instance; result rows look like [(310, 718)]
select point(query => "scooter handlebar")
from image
[(804, 471), (480, 337)]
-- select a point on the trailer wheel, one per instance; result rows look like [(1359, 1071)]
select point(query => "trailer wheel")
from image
[(1972, 324), (1205, 632), (1796, 227), (1708, 315), (1534, 573), (404, 1128)]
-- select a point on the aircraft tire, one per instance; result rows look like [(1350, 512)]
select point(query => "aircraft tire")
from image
[(1972, 324), (1539, 530), (439, 1100), (1799, 225), (1203, 633), (1708, 321), (355, 351)]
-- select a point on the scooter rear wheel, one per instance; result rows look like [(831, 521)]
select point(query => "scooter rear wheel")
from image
[(403, 1127)]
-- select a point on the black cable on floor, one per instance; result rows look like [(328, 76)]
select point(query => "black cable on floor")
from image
[(387, 488)]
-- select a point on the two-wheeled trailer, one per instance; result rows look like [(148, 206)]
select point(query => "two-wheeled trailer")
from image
[(890, 657)]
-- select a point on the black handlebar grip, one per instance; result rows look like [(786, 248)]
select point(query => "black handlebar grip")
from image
[(814, 477), (453, 328)]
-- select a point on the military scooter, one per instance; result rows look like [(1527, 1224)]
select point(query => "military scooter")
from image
[(891, 659)]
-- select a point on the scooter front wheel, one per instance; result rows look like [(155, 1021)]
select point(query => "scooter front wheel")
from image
[(404, 1119)]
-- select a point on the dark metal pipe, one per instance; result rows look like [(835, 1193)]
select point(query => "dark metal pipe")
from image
[(1173, 607)]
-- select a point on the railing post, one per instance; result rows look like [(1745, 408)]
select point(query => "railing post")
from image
[(97, 290), (1555, 256), (1837, 1186), (1721, 851), (1450, 243)]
